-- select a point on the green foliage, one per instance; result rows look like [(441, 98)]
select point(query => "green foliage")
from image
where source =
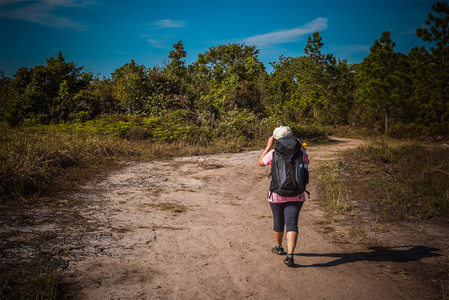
[(380, 81), (434, 88), (340, 100), (177, 66), (314, 88), (47, 93), (4, 91), (223, 61), (234, 74), (390, 92), (240, 124), (310, 134), (438, 32), (129, 87)]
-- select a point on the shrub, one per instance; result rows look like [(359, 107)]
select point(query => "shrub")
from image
[(311, 134), (137, 134)]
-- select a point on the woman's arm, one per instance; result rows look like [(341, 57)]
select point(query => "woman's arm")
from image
[(270, 144)]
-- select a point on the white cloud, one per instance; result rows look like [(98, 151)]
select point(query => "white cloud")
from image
[(68, 3), (169, 23), (43, 12), (157, 43), (7, 2), (288, 35)]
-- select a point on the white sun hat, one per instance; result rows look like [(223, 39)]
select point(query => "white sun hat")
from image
[(282, 131)]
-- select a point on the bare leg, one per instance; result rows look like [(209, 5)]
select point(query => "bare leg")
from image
[(292, 237), (278, 236)]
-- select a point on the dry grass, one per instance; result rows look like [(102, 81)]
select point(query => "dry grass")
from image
[(402, 180), (40, 285), (41, 160), (172, 207), (33, 157), (335, 198), (31, 160)]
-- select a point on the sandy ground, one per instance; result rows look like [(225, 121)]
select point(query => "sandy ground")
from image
[(201, 228)]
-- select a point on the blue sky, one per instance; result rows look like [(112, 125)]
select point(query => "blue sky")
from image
[(104, 35)]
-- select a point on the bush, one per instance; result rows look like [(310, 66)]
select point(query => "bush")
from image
[(311, 134), (137, 134)]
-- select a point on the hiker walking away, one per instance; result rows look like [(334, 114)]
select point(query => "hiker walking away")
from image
[(285, 201)]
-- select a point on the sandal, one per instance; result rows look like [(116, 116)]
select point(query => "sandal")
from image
[(278, 250), (289, 260)]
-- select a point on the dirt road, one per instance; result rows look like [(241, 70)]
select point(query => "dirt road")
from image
[(201, 228)]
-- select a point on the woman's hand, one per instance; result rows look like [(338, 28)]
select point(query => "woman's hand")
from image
[(270, 143)]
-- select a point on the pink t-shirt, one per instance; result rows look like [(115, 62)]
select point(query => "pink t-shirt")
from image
[(275, 198)]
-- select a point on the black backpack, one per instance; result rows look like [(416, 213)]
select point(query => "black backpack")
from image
[(288, 175)]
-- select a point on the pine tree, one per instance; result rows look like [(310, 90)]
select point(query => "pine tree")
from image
[(436, 106), (378, 80)]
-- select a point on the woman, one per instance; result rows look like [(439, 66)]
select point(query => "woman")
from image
[(285, 209)]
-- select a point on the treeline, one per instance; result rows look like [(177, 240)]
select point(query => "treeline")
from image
[(390, 92)]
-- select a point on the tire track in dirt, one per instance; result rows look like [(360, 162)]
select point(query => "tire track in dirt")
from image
[(201, 228)]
